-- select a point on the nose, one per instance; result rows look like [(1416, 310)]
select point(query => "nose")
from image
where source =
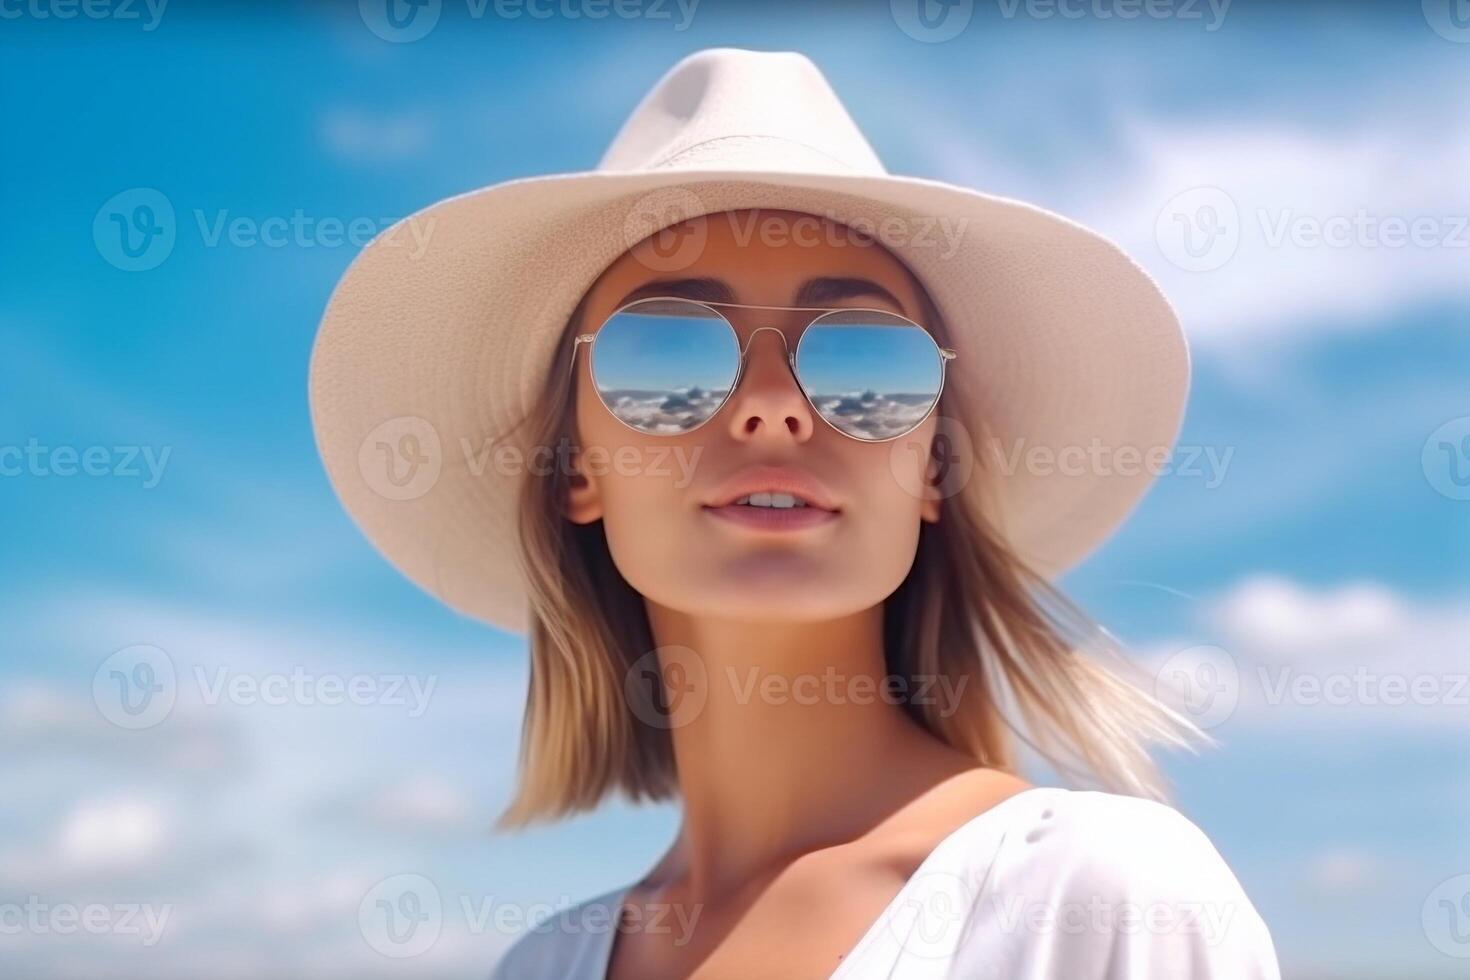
[(767, 403)]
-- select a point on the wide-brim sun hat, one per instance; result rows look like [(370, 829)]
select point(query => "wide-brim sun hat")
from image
[(440, 335)]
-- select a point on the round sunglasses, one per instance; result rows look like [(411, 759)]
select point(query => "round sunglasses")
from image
[(666, 366)]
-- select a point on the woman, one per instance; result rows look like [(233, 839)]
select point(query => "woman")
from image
[(733, 432)]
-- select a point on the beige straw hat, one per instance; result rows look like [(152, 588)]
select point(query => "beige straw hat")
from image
[(442, 332)]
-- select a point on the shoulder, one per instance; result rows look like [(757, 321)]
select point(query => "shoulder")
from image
[(1116, 886), (1113, 843), (571, 944)]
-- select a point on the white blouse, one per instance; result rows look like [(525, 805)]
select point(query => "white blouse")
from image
[(1049, 883)]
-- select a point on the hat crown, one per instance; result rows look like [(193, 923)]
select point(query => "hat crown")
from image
[(722, 107)]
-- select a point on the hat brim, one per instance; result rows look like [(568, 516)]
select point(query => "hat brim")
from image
[(442, 331)]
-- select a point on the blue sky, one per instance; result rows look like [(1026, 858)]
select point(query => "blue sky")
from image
[(1313, 535)]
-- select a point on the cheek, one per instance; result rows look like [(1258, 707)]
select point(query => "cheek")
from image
[(888, 479), (650, 522), (643, 484), (634, 473)]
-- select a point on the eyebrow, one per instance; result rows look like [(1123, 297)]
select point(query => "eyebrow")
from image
[(818, 291)]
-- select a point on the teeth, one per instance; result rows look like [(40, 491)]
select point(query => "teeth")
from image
[(777, 500)]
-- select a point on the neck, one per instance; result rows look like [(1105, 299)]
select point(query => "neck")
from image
[(788, 744)]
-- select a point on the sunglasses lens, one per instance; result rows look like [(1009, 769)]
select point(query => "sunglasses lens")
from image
[(664, 366), (872, 375)]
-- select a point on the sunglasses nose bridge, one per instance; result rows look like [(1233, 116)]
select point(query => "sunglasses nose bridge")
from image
[(749, 341)]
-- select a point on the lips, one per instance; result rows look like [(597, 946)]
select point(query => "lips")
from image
[(773, 518), (768, 481), (773, 498), (779, 501)]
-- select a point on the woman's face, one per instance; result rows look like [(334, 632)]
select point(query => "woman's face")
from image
[(659, 497)]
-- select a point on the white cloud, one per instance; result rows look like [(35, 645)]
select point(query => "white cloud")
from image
[(1283, 182), (204, 812), (1274, 654), (1334, 228), (1338, 871), (302, 907), (376, 136), (1270, 613), (421, 803), (44, 720), (98, 839), (113, 834)]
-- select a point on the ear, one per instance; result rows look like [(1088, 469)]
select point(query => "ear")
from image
[(583, 503)]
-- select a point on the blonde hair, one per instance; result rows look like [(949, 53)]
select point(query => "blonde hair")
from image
[(969, 606)]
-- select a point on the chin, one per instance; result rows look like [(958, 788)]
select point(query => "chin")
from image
[(763, 589)]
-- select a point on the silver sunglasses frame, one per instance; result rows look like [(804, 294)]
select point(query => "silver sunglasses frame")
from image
[(946, 354)]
